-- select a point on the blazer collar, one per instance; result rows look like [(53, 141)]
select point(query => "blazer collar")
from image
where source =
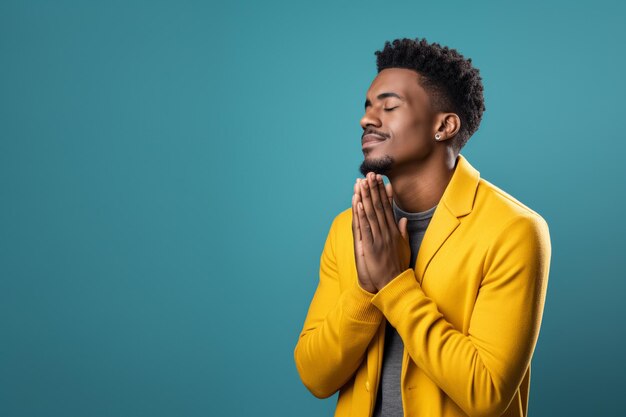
[(461, 190), (458, 200)]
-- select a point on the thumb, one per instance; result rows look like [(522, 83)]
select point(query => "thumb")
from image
[(403, 228)]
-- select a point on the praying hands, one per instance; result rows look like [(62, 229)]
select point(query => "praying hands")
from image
[(381, 247)]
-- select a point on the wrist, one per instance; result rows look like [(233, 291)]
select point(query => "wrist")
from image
[(390, 278), (368, 288)]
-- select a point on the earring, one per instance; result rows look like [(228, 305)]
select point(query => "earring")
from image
[(437, 136)]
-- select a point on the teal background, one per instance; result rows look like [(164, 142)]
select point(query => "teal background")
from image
[(169, 171)]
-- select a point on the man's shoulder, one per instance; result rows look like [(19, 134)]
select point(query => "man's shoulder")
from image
[(343, 220), (500, 205)]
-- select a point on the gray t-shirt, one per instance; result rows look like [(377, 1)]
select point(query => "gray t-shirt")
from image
[(389, 398)]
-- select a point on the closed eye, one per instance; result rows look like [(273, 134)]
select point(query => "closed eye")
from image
[(391, 108)]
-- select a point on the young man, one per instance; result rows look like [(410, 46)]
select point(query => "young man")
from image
[(431, 293)]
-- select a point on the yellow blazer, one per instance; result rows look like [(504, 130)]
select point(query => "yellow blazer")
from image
[(469, 313)]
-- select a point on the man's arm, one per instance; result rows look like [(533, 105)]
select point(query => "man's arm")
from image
[(337, 329), (480, 371)]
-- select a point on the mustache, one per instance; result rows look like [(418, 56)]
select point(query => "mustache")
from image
[(375, 132)]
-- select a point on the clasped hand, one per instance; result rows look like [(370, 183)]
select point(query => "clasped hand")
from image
[(381, 247)]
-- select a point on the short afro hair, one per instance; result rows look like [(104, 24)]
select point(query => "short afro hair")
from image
[(450, 80)]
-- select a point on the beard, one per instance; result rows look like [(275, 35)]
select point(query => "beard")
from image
[(380, 166)]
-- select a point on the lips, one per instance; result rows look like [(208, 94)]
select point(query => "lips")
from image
[(370, 140)]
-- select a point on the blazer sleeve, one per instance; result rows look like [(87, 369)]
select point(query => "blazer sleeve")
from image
[(482, 370), (337, 329)]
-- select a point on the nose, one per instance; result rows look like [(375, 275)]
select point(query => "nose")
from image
[(370, 118)]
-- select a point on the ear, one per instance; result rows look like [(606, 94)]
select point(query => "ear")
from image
[(448, 125)]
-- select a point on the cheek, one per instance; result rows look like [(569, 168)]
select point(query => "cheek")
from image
[(412, 135), (411, 141), (419, 128)]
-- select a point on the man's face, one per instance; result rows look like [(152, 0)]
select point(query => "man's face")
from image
[(404, 122)]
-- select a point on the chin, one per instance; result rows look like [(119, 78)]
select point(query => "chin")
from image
[(379, 165)]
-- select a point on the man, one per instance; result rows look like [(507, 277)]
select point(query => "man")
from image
[(432, 288)]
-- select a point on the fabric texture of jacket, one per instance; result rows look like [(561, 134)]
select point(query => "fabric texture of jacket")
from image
[(468, 313)]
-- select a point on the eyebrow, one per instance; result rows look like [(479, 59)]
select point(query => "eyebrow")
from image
[(382, 96)]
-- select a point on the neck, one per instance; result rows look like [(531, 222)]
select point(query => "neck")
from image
[(421, 187)]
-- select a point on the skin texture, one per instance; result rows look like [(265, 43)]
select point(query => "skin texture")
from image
[(418, 168)]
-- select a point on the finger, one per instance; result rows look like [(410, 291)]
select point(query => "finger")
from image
[(356, 231), (377, 203), (357, 201), (386, 202), (358, 222), (364, 225), (389, 191), (353, 218), (369, 211)]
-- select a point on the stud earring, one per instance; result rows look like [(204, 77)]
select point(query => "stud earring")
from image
[(437, 136)]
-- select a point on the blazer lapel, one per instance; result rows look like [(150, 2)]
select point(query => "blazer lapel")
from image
[(375, 359), (458, 201)]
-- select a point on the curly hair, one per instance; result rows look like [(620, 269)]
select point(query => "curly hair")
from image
[(449, 79)]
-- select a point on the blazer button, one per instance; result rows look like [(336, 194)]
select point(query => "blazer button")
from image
[(367, 385)]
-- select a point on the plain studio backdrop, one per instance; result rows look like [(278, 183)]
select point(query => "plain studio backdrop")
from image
[(169, 171)]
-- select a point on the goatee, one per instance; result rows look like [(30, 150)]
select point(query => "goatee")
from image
[(380, 166)]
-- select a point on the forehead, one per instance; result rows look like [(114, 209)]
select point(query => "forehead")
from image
[(402, 81)]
